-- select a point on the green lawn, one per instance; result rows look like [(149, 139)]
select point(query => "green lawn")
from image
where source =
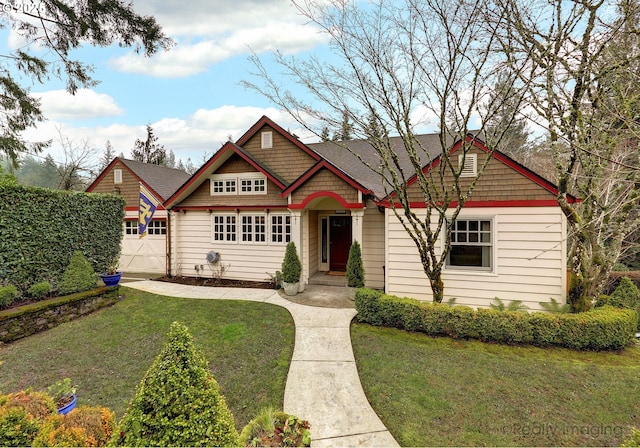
[(248, 345), (444, 392)]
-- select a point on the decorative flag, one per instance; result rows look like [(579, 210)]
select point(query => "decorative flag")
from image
[(148, 205)]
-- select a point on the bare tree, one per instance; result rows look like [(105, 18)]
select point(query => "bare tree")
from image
[(400, 65), (584, 83), (78, 164)]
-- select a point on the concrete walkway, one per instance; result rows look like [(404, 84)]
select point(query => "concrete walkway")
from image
[(323, 384)]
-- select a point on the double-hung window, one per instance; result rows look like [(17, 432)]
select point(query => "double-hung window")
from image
[(471, 244), (224, 228), (280, 228), (254, 228)]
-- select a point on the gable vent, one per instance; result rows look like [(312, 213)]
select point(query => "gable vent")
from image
[(470, 168), (266, 140)]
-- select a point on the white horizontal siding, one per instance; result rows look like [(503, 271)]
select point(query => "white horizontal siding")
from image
[(246, 261), (373, 246), (530, 260)]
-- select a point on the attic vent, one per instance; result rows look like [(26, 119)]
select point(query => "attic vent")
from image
[(267, 140), (470, 168), (117, 176)]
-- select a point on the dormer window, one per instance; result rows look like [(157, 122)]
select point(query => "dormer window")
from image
[(117, 176), (470, 168), (266, 140), (240, 183)]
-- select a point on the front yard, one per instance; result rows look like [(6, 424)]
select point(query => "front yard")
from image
[(444, 392), (248, 346)]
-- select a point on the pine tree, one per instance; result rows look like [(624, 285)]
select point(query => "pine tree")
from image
[(149, 150)]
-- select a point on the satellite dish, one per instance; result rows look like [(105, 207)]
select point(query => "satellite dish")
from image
[(213, 257)]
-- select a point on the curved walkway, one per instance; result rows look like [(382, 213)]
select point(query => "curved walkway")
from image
[(323, 384)]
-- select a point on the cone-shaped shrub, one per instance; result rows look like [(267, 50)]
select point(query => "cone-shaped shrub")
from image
[(291, 266), (355, 269), (79, 275), (178, 402)]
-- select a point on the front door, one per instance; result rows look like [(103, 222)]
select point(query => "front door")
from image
[(339, 241)]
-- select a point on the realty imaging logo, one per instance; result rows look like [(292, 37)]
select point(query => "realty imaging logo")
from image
[(22, 7)]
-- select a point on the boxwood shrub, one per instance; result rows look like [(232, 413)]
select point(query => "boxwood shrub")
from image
[(604, 328)]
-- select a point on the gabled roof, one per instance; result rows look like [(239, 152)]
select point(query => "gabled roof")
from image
[(161, 180), (227, 150)]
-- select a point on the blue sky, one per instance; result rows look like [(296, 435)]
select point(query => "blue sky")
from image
[(190, 94)]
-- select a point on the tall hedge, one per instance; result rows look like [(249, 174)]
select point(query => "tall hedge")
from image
[(40, 229)]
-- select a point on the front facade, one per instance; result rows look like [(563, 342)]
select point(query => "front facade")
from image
[(125, 177), (254, 196)]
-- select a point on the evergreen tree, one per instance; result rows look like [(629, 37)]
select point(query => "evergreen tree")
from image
[(149, 150), (178, 402)]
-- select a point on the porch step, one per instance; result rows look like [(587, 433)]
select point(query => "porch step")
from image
[(328, 279)]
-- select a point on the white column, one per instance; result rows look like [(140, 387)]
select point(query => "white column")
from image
[(357, 218), (297, 238)]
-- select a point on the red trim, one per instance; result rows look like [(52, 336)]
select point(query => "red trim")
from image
[(315, 169), (135, 209), (500, 157), (266, 121), (212, 208), (329, 194), (131, 218), (479, 204), (229, 146)]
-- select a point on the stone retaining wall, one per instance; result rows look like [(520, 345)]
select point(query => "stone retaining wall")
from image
[(24, 321)]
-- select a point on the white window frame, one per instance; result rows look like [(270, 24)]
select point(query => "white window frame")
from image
[(491, 244), (226, 220), (470, 168), (117, 176), (131, 227), (251, 231), (221, 183), (281, 234), (224, 181), (157, 227), (266, 140)]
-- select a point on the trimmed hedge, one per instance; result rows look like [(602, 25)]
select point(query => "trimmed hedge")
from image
[(40, 229), (603, 328)]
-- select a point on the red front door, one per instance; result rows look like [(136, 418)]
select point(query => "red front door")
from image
[(340, 242)]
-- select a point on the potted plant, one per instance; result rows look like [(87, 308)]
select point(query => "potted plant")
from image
[(112, 276), (355, 270), (64, 395), (291, 270)]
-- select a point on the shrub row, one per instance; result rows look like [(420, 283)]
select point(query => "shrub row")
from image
[(42, 228), (605, 328)]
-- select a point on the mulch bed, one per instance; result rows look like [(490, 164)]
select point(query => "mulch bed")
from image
[(202, 281)]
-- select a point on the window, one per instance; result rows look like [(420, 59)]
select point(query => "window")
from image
[(131, 227), (117, 176), (470, 168), (243, 183), (266, 140), (280, 228), (224, 228), (157, 227), (254, 228), (471, 244)]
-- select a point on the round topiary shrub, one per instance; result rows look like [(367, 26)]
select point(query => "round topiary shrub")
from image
[(79, 275), (178, 402)]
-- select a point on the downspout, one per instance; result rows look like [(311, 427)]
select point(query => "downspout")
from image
[(168, 244)]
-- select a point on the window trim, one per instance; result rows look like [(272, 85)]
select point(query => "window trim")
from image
[(253, 233), (253, 177), (229, 238), (224, 178), (286, 236), (237, 178), (491, 269)]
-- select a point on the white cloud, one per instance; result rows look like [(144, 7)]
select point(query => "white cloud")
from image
[(202, 133), (85, 104), (207, 32)]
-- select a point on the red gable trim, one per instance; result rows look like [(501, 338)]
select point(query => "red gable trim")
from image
[(110, 167), (316, 168), (329, 194), (500, 157), (224, 150), (264, 120)]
